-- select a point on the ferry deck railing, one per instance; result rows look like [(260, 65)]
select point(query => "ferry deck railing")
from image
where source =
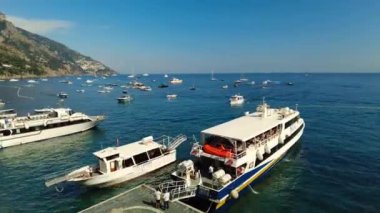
[(178, 189)]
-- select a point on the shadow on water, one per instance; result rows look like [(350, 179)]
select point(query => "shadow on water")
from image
[(267, 191)]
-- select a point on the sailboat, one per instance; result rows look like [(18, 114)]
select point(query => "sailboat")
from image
[(133, 73), (212, 76)]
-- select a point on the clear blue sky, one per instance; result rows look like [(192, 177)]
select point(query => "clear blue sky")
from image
[(227, 36)]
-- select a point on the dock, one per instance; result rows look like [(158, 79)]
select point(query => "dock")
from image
[(138, 199)]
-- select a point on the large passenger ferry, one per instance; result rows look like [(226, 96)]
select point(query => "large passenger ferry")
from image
[(43, 124), (232, 155)]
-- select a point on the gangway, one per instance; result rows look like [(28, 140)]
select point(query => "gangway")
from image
[(171, 142), (178, 189)]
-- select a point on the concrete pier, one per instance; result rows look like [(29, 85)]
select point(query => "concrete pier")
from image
[(136, 200)]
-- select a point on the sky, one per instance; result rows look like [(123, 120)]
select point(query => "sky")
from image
[(197, 36)]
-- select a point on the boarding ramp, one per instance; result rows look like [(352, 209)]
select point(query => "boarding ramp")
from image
[(178, 189), (171, 142)]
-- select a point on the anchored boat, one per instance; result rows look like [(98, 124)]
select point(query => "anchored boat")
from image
[(236, 100), (176, 81), (42, 124), (123, 163), (232, 155), (124, 99)]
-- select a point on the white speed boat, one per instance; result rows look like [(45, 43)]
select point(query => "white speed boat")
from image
[(122, 163)]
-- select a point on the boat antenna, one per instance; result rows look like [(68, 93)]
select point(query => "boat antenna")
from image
[(263, 100)]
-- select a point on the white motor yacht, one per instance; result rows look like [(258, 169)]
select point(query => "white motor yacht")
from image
[(176, 81), (122, 163), (42, 124)]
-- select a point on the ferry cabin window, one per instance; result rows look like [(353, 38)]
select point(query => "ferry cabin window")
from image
[(289, 123), (112, 157), (102, 166), (154, 153), (141, 158), (127, 163)]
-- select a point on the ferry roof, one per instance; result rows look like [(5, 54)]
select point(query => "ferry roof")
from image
[(128, 150), (246, 127)]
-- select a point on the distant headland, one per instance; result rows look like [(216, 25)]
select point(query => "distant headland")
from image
[(24, 54)]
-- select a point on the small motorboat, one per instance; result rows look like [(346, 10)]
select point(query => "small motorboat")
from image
[(145, 74), (124, 99), (13, 80), (89, 81), (166, 75), (171, 96), (125, 91), (193, 88), (80, 90), (163, 86), (8, 113), (225, 86), (32, 81), (236, 100), (176, 81), (62, 95), (44, 79), (2, 103), (145, 88), (290, 83)]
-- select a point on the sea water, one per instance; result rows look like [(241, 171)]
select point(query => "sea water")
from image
[(334, 168)]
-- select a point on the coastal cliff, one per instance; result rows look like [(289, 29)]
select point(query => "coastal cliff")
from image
[(25, 54)]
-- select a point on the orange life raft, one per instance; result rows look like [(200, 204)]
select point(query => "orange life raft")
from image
[(218, 150)]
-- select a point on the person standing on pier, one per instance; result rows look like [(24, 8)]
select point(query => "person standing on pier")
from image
[(166, 200), (157, 195)]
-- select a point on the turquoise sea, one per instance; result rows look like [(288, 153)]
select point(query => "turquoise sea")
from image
[(334, 168)]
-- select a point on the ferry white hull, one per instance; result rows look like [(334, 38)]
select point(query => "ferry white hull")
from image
[(269, 163), (19, 139), (123, 175)]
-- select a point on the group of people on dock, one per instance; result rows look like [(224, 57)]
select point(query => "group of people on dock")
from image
[(165, 196)]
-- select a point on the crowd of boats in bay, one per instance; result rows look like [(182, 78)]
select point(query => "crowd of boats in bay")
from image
[(235, 99), (228, 158)]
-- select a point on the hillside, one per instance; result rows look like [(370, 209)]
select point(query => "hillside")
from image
[(25, 54)]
